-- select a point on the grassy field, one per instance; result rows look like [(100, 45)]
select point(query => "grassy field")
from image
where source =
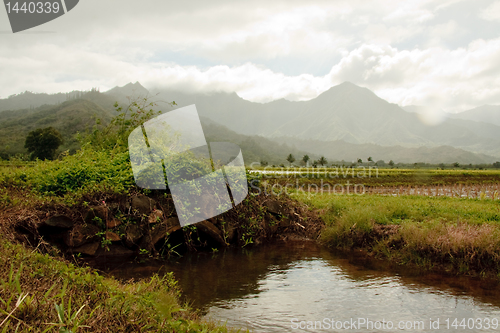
[(458, 234)]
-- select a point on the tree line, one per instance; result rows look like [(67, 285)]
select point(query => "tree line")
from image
[(43, 143)]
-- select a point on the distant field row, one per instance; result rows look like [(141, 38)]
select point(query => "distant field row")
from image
[(372, 176), (366, 176), (350, 170)]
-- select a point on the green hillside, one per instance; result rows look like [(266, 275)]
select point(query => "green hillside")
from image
[(79, 115), (68, 118), (254, 148)]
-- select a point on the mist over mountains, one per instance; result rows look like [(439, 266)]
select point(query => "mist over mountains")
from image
[(344, 123), (345, 112), (486, 113)]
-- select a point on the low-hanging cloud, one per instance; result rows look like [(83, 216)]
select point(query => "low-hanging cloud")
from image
[(407, 52)]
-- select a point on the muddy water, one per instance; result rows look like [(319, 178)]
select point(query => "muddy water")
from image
[(301, 287)]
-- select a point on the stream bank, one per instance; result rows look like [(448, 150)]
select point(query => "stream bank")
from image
[(131, 226)]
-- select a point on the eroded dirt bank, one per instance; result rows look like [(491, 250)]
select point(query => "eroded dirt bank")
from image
[(124, 227)]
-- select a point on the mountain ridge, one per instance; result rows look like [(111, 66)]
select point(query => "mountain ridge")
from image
[(346, 112)]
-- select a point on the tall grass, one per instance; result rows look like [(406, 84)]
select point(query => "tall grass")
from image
[(42, 294), (461, 234)]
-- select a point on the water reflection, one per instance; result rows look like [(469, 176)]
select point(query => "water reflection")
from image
[(272, 287)]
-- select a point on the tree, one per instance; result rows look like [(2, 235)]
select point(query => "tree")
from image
[(115, 134), (370, 159), (322, 160), (290, 159), (360, 160), (43, 143), (391, 163), (305, 159)]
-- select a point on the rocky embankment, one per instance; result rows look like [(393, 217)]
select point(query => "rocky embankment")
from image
[(134, 225)]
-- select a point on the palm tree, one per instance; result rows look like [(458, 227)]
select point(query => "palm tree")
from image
[(290, 159), (322, 160), (305, 159)]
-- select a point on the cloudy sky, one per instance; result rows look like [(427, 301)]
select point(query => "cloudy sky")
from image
[(443, 53)]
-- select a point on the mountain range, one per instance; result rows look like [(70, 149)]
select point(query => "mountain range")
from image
[(345, 112), (346, 122), (486, 113)]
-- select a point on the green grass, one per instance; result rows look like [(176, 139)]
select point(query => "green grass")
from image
[(39, 293), (394, 210), (461, 234)]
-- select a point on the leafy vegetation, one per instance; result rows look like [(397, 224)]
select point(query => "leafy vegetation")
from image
[(101, 166), (41, 292), (114, 135)]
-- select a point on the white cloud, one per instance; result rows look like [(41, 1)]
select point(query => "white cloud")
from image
[(440, 32), (387, 35), (447, 79), (398, 49), (492, 12), (250, 81), (437, 77), (291, 33), (406, 13)]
